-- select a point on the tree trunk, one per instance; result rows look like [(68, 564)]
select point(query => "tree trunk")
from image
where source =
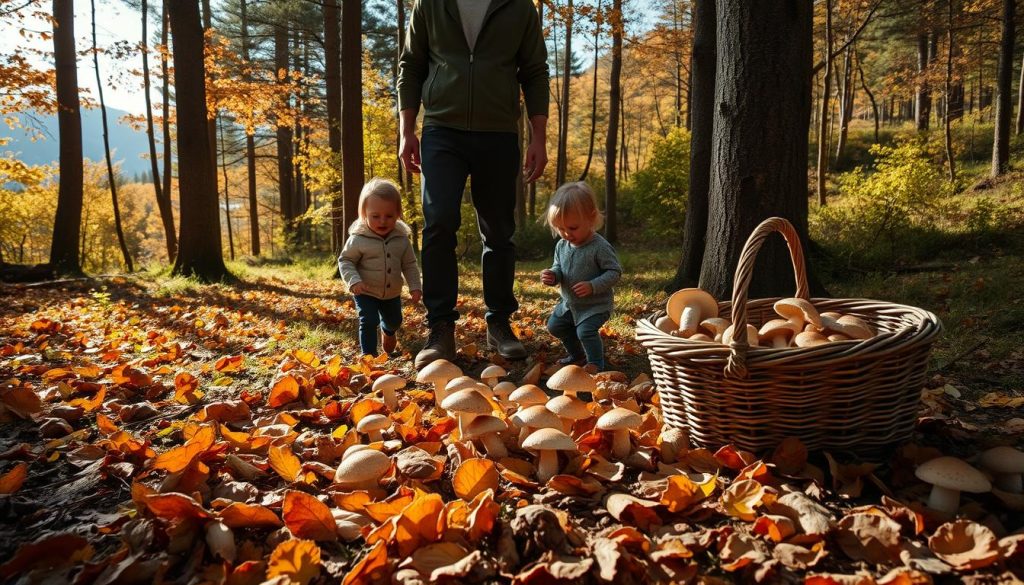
[(1020, 100), (200, 254), (332, 59), (227, 198), (678, 58), (400, 37), (948, 116), (351, 107), (759, 154), (823, 119), (922, 99), (118, 229), (845, 103), (611, 141), (593, 94), (871, 96), (163, 198), (285, 165), (165, 23), (702, 88), (67, 223), (562, 161), (250, 148), (211, 127), (1004, 87)]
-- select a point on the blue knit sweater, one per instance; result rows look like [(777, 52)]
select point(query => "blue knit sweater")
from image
[(594, 262)]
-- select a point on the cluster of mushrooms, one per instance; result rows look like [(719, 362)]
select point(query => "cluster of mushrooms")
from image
[(498, 416), (692, 313), (1003, 472)]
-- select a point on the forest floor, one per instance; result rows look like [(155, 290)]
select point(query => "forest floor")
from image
[(101, 376)]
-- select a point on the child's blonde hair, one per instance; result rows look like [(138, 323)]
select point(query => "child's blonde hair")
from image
[(383, 189), (576, 198)]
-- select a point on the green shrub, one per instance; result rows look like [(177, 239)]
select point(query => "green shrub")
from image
[(657, 194)]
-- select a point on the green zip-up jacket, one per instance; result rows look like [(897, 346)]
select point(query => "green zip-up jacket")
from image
[(476, 90)]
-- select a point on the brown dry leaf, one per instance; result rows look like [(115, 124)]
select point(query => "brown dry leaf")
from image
[(21, 400), (874, 538), (284, 461), (848, 480), (732, 458), (606, 470), (777, 528), (633, 511), (835, 579), (904, 576), (741, 498), (91, 404), (415, 463), (247, 573), (186, 389), (12, 481), (812, 518), (681, 493), (417, 524), (242, 515), (797, 557), (297, 560), (308, 517), (790, 457), (226, 411), (174, 506), (365, 407), (571, 485), (57, 550), (553, 568), (607, 553), (473, 477), (283, 390), (965, 545), (739, 551), (180, 457), (105, 425), (434, 556)]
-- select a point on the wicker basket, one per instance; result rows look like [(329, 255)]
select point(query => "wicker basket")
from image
[(857, 396)]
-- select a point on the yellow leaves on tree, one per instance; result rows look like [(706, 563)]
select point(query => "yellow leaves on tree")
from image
[(298, 560), (473, 477)]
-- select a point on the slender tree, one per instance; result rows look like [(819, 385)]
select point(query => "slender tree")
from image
[(563, 115), (1020, 100), (165, 27), (67, 223), (871, 96), (285, 164), (200, 254), (947, 110), (598, 17), (250, 144), (611, 141), (163, 198), (351, 107), (823, 118), (227, 198), (1004, 87), (922, 99), (332, 77), (759, 153)]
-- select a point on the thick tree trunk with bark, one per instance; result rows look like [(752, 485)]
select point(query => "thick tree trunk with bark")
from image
[(562, 160), (285, 166), (1004, 87), (200, 254), (823, 118), (759, 153), (67, 223), (250, 147), (351, 108), (611, 141), (702, 105), (163, 198)]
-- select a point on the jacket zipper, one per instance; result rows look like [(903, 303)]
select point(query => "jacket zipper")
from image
[(469, 119)]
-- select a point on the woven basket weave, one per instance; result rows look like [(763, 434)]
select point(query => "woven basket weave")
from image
[(856, 396)]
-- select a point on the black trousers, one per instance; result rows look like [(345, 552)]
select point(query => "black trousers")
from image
[(490, 160)]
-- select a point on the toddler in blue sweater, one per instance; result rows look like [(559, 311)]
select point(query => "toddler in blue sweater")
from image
[(586, 268)]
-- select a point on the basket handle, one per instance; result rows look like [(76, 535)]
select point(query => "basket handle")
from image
[(737, 363)]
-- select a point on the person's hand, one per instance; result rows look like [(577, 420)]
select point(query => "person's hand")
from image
[(536, 159), (410, 152), (583, 289), (416, 295), (357, 288), (547, 277)]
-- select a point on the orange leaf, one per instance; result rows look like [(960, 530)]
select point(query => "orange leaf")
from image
[(353, 501), (106, 426), (179, 457), (370, 569), (11, 481), (299, 560), (175, 506), (740, 499), (306, 357), (308, 517), (91, 404), (365, 407), (417, 525), (226, 411), (231, 363), (284, 461), (247, 573), (381, 511), (681, 493), (482, 518), (473, 477), (241, 515), (284, 390), (22, 401), (51, 551), (186, 388)]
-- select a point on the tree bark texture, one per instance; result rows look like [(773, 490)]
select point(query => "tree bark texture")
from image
[(163, 198), (165, 73), (702, 105), (611, 140), (285, 164), (1004, 87), (227, 197), (759, 151), (846, 95), (200, 254), (823, 118), (1020, 100), (871, 97), (250, 147), (67, 223), (351, 108), (922, 99), (593, 94)]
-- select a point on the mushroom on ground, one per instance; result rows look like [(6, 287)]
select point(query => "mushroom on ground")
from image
[(809, 339), (619, 420), (486, 428), (528, 395), (689, 307), (502, 390), (715, 326), (949, 476), (438, 373), (572, 379), (463, 382), (371, 425), (568, 408), (729, 333), (673, 443), (777, 333), (491, 374), (466, 404), (1007, 464), (798, 311), (547, 443), (535, 417), (362, 469), (388, 384)]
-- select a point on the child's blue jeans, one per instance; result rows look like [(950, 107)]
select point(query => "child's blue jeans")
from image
[(579, 339), (374, 313)]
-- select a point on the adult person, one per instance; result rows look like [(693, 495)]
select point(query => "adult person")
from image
[(465, 61)]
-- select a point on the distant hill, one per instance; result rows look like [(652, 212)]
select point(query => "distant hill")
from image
[(127, 145)]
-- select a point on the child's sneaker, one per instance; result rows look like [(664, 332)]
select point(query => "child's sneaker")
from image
[(388, 342), (574, 360)]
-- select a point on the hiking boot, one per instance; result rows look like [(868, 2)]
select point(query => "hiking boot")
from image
[(440, 344), (388, 342), (501, 338)]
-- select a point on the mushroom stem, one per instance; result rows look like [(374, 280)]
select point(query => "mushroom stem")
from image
[(620, 443), (567, 425), (1010, 482), (944, 499), (374, 436), (493, 445), (525, 432), (778, 342), (390, 399), (689, 320), (547, 467), (438, 394), (464, 419)]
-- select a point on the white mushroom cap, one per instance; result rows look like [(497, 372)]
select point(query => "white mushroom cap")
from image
[(777, 329), (701, 337), (502, 390), (568, 407), (798, 310), (373, 422), (390, 382), (618, 418), (492, 371), (468, 400), (700, 303), (528, 395), (854, 327), (1003, 459), (549, 440), (716, 326), (752, 341), (949, 476), (460, 383), (809, 339), (572, 379), (485, 424), (666, 324), (361, 467), (536, 416), (438, 371)]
